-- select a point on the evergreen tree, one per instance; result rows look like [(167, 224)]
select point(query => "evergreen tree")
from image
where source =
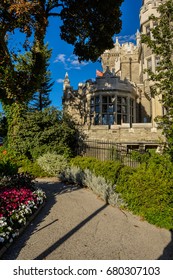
[(161, 44), (41, 99)]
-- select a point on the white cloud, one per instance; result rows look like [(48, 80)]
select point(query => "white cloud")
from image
[(126, 38), (60, 81), (70, 62), (60, 58)]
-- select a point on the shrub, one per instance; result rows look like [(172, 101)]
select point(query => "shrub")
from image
[(7, 166), (72, 174), (109, 170), (17, 180), (32, 167), (46, 131), (52, 163), (148, 190), (97, 184)]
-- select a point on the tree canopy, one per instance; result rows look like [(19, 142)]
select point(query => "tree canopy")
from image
[(88, 25)]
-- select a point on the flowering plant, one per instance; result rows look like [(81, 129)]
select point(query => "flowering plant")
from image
[(16, 205)]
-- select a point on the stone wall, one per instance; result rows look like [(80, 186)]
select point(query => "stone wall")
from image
[(139, 132)]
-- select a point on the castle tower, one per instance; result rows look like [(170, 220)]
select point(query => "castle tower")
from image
[(148, 60), (122, 61), (66, 84)]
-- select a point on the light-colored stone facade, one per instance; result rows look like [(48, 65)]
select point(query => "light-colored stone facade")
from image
[(118, 105)]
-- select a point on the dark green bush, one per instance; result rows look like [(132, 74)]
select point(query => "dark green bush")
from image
[(148, 191), (46, 131), (7, 166), (106, 169), (27, 166), (18, 181)]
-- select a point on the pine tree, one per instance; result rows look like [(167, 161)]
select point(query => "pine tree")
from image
[(41, 98)]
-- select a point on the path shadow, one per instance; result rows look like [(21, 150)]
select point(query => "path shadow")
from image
[(52, 189), (59, 242), (168, 250)]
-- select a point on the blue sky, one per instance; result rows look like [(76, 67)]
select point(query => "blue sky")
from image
[(63, 60)]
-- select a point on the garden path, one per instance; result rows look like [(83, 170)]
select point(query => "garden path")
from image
[(75, 224)]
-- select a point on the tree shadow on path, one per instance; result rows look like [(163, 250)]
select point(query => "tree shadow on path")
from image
[(58, 243), (168, 250), (52, 189)]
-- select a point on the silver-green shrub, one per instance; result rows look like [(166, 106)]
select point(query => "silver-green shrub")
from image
[(102, 188), (72, 174), (52, 163), (97, 184)]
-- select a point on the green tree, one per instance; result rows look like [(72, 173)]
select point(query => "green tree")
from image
[(46, 131), (161, 44), (40, 99), (88, 25)]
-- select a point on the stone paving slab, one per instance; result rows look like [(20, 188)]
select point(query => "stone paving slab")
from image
[(76, 225)]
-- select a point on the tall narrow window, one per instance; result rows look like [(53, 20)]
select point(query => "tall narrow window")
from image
[(149, 63), (108, 108), (121, 110), (147, 30)]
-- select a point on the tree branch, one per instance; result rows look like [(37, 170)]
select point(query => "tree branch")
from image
[(53, 14)]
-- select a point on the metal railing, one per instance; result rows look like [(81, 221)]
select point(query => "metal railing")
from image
[(108, 151)]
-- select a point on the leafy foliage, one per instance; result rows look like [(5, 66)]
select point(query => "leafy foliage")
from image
[(107, 169), (52, 163), (161, 44), (46, 131), (88, 25), (148, 190)]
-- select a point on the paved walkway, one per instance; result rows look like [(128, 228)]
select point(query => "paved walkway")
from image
[(75, 224)]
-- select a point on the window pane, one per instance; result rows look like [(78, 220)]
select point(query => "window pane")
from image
[(111, 119), (119, 108), (124, 109), (97, 108), (119, 99), (92, 109), (149, 63), (104, 108), (124, 118), (118, 119), (110, 108), (104, 99), (97, 99), (92, 101), (104, 119), (96, 119), (111, 99), (124, 100)]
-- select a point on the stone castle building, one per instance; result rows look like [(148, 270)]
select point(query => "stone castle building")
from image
[(118, 105)]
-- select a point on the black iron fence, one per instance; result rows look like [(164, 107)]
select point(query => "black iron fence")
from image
[(110, 151)]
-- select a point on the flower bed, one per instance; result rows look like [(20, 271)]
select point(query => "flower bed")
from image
[(16, 207)]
